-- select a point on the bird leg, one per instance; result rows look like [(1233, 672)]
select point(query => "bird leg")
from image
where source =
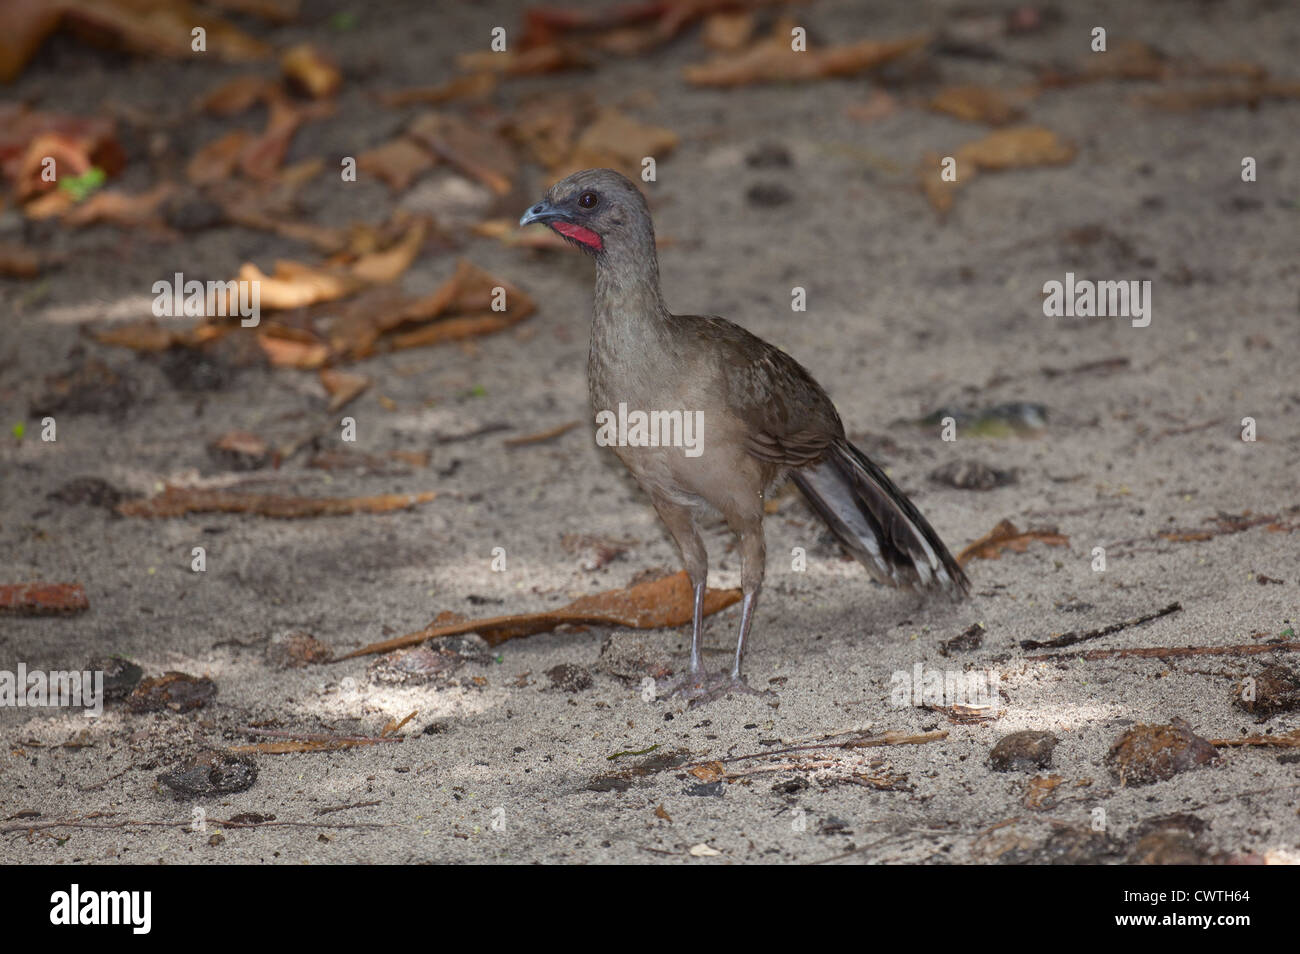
[(746, 620), (680, 522), (700, 688)]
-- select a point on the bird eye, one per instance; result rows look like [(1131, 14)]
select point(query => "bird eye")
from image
[(588, 200)]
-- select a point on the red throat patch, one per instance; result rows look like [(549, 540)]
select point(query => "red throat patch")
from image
[(579, 234)]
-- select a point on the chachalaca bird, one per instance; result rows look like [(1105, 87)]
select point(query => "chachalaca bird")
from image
[(762, 418)]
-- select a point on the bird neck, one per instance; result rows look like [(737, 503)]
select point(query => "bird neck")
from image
[(627, 287)]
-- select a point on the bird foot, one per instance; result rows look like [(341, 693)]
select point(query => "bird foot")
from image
[(701, 687)]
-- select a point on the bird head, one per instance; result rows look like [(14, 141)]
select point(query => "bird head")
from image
[(597, 210)]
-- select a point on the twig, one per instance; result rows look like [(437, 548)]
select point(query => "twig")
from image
[(542, 436), (147, 823), (343, 808), (858, 742), (1172, 652), (391, 729), (1069, 639), (1288, 740), (308, 741), (98, 785)]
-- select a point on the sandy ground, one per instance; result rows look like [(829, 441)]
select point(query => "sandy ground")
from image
[(906, 314)]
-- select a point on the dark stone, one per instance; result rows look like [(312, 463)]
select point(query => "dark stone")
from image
[(1025, 751), (211, 773)]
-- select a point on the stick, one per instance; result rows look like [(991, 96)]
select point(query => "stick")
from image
[(1172, 652), (1069, 639)]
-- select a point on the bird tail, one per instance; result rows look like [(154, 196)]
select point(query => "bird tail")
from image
[(876, 522)]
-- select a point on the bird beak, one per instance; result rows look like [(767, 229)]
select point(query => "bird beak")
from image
[(542, 212)]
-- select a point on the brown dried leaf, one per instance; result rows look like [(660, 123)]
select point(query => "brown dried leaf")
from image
[(728, 32), (476, 151), (118, 208), (42, 599), (159, 28), (551, 58), (177, 501), (237, 95), (293, 352), (547, 125), (508, 232), (216, 161), (473, 87), (979, 104), (308, 71), (1219, 95), (1015, 148), (772, 60), (262, 157), (1040, 792), (460, 308), (709, 772), (342, 386), (1005, 536), (389, 264), (26, 25), (616, 141), (398, 162), (655, 604), (18, 261)]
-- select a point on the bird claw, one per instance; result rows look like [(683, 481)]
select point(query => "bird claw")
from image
[(699, 688)]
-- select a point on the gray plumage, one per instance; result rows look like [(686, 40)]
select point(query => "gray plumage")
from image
[(764, 419)]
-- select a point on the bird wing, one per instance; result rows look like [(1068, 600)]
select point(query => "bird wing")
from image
[(791, 422)]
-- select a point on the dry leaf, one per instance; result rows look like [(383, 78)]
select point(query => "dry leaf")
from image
[(1219, 95), (547, 125), (216, 161), (398, 162), (42, 599), (460, 308), (476, 151), (709, 772), (177, 501), (1019, 147), (26, 25), (18, 261), (293, 352), (541, 59), (655, 604), (616, 141), (389, 264), (294, 285), (473, 87), (1005, 536), (1039, 793), (262, 157), (308, 71), (727, 32), (508, 232), (772, 60), (118, 208), (75, 143), (158, 28), (978, 104), (237, 95), (342, 386)]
